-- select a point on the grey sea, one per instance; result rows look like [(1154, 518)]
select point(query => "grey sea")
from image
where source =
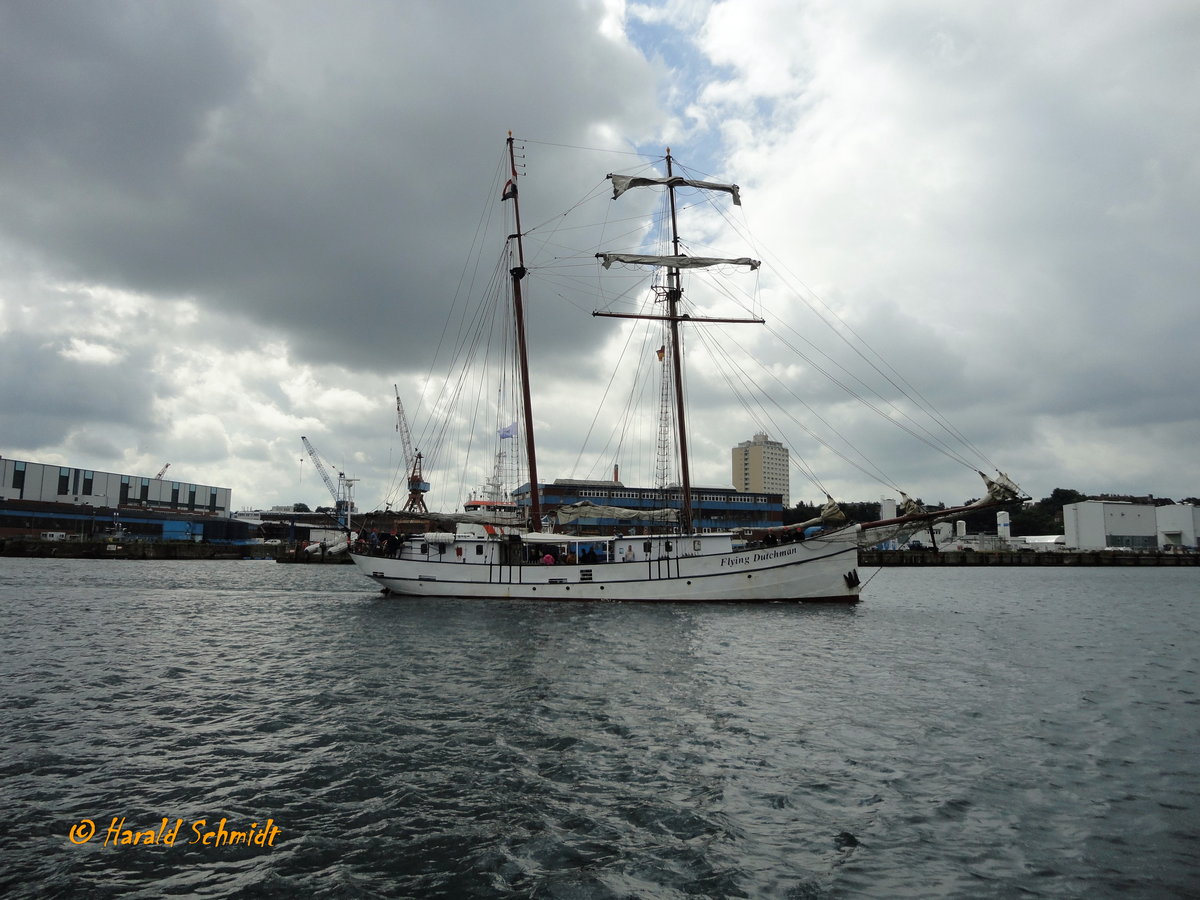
[(247, 729)]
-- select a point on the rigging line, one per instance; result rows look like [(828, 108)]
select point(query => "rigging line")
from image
[(931, 439), (465, 356), (628, 420), (474, 417), (493, 335), (588, 226), (594, 194), (600, 405), (625, 417), (580, 147), (904, 426), (905, 422), (697, 174), (901, 384), (481, 228), (750, 399), (877, 475), (906, 389), (639, 388), (802, 464), (749, 383)]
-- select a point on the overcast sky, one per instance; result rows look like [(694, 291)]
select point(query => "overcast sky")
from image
[(224, 225)]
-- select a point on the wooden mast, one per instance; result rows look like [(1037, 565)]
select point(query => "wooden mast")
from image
[(674, 293), (518, 272)]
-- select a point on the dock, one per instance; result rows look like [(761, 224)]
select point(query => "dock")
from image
[(875, 558)]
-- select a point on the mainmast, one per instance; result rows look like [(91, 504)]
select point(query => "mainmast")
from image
[(673, 291), (674, 294), (518, 272)]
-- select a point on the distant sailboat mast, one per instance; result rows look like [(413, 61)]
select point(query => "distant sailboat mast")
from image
[(518, 273)]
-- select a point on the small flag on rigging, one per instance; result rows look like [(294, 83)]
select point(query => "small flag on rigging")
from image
[(510, 190), (508, 431), (661, 352)]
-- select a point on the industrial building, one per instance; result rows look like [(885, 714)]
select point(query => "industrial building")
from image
[(761, 466), (1109, 524), (1178, 525), (60, 502)]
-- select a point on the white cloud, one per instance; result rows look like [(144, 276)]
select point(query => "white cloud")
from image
[(89, 352)]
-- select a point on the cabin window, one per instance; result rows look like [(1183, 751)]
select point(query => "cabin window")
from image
[(695, 546), (647, 546), (458, 551), (479, 549)]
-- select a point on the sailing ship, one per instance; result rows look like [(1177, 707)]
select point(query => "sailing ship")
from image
[(663, 556)]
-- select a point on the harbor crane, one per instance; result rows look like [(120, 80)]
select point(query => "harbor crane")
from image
[(162, 472), (340, 492), (417, 485)]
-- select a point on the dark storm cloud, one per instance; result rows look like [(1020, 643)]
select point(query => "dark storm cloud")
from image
[(49, 396), (315, 169)]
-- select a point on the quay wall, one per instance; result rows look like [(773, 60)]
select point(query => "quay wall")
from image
[(873, 558)]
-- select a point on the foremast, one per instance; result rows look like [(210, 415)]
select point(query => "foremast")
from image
[(518, 273), (673, 295)]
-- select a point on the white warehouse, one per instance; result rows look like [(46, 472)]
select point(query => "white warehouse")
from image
[(1178, 525), (1101, 524)]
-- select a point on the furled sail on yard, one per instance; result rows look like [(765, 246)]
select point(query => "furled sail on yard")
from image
[(677, 262), (622, 183), (585, 509)]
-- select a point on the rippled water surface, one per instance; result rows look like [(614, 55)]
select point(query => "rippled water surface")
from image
[(962, 733)]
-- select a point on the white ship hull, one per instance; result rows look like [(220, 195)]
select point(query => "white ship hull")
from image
[(657, 568)]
